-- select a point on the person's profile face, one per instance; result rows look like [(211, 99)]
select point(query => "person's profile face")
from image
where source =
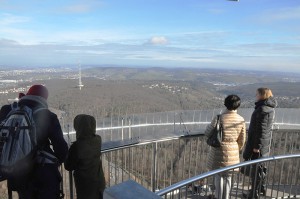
[(258, 96)]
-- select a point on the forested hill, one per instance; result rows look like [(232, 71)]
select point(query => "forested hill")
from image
[(113, 91)]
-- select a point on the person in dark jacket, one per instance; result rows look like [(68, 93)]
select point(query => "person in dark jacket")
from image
[(4, 111), (259, 138), (44, 182), (8, 107), (85, 159)]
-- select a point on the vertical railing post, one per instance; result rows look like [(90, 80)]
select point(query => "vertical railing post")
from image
[(111, 122), (174, 128), (154, 170), (122, 128), (129, 124), (194, 116)]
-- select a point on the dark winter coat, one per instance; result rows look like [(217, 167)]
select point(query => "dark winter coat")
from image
[(260, 129), (49, 131), (45, 180), (4, 111), (85, 159)]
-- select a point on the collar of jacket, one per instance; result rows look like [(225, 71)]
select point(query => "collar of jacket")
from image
[(37, 99), (229, 111), (259, 103)]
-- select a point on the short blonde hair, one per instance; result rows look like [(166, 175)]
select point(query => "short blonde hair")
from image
[(265, 93)]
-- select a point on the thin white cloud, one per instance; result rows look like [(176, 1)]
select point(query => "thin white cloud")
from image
[(282, 14), (90, 37), (9, 24), (158, 40), (270, 49), (216, 11), (68, 46), (81, 37), (22, 36), (7, 42), (14, 53), (80, 8), (170, 57), (9, 19), (83, 6)]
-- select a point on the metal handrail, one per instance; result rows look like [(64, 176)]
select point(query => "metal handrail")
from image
[(221, 170), (167, 124), (145, 142), (151, 125), (140, 142)]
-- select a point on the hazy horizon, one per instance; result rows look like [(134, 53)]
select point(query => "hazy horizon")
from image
[(75, 67)]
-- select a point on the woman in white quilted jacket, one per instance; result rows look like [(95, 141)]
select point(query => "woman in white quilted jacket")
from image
[(234, 135)]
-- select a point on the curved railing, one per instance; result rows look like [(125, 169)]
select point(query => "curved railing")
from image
[(282, 179), (174, 123), (158, 150), (159, 163)]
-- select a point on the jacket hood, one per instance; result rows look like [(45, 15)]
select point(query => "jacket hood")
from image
[(269, 103), (34, 100), (85, 126)]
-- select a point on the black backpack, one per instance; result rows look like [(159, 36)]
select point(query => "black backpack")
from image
[(18, 142)]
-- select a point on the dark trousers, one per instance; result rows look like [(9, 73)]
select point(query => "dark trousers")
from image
[(87, 189), (43, 184), (258, 177)]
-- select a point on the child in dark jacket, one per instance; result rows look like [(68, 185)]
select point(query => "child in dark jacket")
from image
[(85, 159)]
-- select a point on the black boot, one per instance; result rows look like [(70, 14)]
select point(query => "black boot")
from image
[(251, 194), (258, 183), (263, 190)]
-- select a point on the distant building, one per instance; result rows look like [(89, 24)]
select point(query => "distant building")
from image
[(80, 85)]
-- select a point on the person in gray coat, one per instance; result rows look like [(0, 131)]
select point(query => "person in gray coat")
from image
[(84, 159)]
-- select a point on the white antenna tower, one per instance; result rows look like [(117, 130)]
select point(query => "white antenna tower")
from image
[(80, 85)]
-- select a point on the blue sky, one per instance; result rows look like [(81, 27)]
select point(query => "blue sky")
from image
[(249, 34)]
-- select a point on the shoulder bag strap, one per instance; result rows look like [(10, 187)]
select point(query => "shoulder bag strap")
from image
[(218, 122), (220, 127), (37, 110)]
